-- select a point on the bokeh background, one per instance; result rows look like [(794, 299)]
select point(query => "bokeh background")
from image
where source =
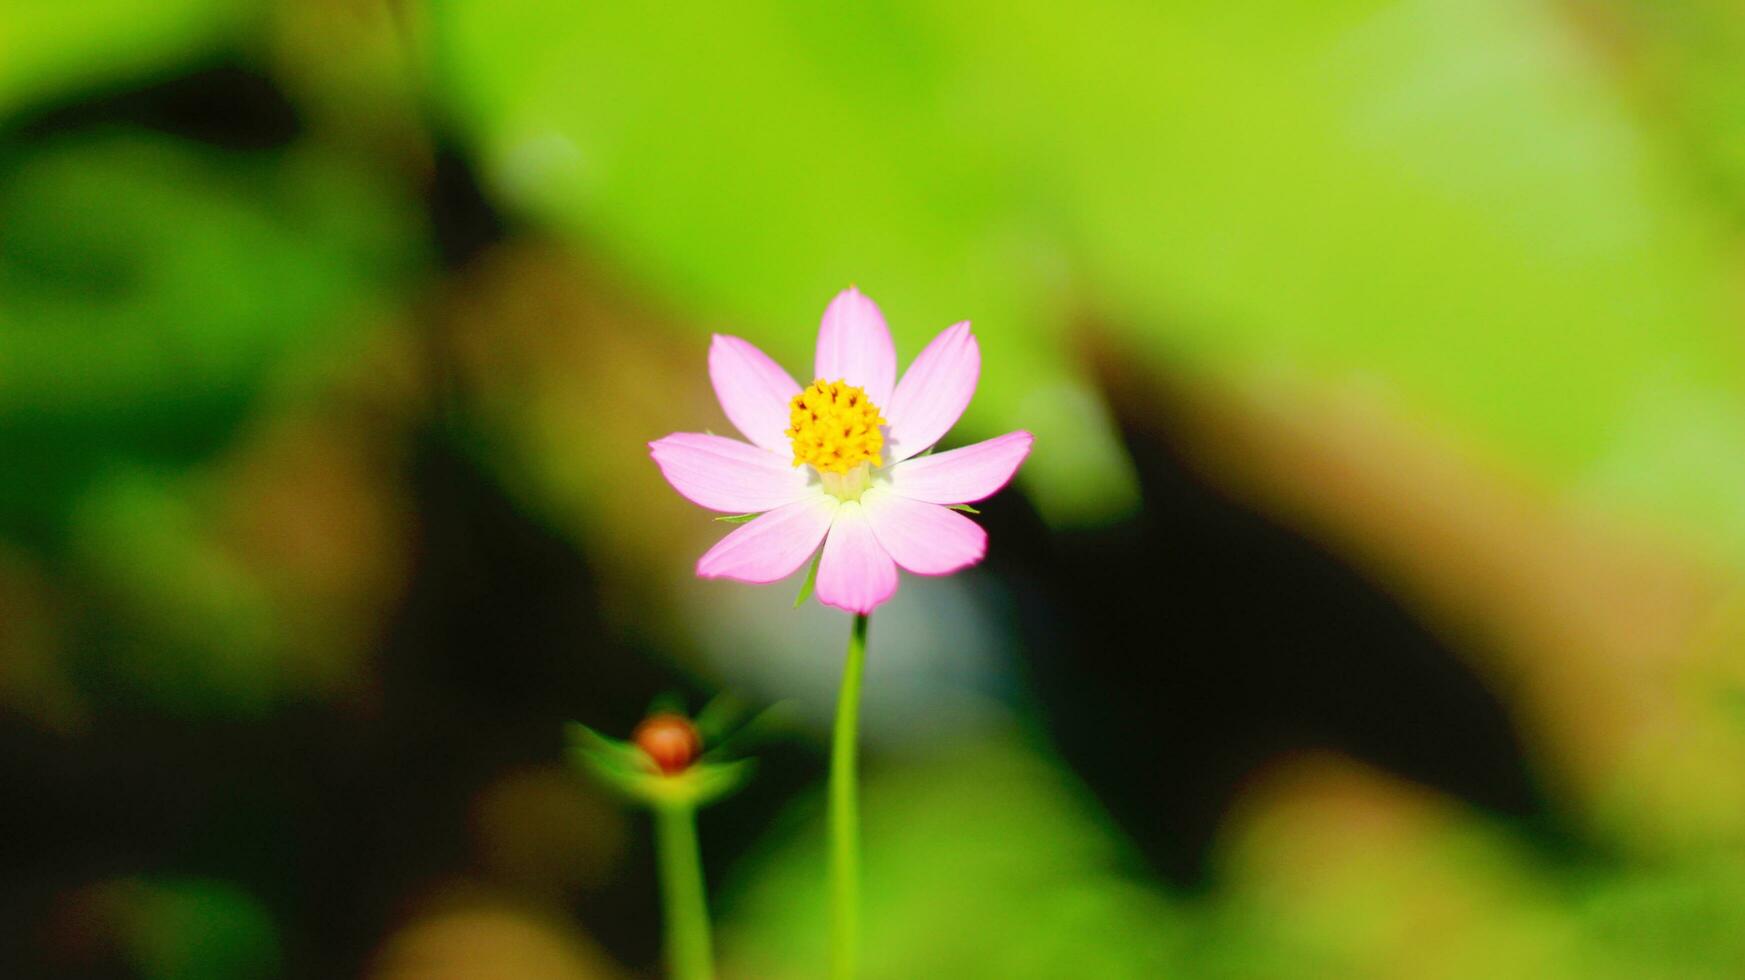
[(1373, 604)]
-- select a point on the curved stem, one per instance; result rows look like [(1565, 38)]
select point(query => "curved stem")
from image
[(688, 952), (845, 813)]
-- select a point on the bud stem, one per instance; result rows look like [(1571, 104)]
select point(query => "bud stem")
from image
[(845, 813), (688, 949)]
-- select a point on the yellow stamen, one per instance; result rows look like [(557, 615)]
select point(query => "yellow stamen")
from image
[(834, 427)]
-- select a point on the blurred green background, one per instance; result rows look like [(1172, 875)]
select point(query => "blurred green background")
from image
[(1373, 604)]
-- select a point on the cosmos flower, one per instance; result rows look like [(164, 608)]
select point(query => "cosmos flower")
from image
[(840, 462)]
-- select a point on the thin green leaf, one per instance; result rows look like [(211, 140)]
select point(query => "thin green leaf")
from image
[(811, 580), (721, 715), (967, 509), (737, 518)]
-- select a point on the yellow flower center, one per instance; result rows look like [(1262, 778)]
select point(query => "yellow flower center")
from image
[(834, 427)]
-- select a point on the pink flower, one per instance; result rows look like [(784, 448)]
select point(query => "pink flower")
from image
[(838, 463)]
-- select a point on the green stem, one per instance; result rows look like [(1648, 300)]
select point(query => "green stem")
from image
[(845, 813), (688, 952)]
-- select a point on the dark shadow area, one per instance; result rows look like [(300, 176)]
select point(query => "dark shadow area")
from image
[(463, 222), (224, 103), (1175, 653)]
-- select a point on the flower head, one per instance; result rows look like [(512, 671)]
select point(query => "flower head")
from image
[(834, 427), (838, 463), (664, 763)]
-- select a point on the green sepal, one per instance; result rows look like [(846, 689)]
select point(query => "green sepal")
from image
[(737, 518), (734, 739), (967, 509), (667, 703), (811, 580)]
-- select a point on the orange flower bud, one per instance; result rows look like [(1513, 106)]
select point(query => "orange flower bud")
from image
[(670, 740)]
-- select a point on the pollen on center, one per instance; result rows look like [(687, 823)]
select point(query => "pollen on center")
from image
[(834, 427)]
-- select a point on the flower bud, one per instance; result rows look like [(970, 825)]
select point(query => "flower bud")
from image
[(670, 740)]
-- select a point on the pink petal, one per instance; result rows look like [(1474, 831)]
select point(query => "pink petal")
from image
[(854, 573), (854, 345), (961, 476), (934, 391), (754, 391), (772, 546), (926, 539), (726, 474)]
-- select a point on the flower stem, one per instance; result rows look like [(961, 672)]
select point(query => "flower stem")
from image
[(688, 951), (845, 813)]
